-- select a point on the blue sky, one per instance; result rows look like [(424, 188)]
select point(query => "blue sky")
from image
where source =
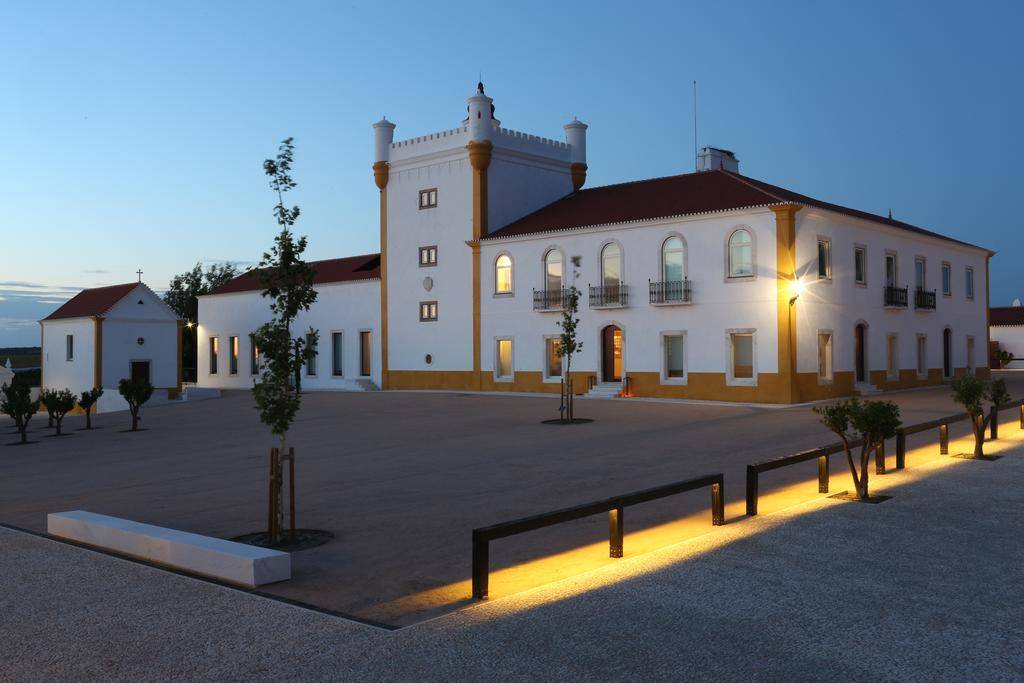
[(133, 133)]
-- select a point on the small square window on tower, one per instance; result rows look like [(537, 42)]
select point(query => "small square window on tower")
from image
[(428, 198), (428, 256), (428, 311)]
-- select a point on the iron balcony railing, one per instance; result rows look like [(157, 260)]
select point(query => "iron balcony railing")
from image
[(924, 300), (677, 292), (610, 296), (896, 297), (549, 299)]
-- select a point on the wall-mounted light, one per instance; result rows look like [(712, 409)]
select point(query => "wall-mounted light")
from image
[(796, 288)]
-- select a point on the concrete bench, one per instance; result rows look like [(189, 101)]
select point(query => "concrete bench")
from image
[(235, 562)]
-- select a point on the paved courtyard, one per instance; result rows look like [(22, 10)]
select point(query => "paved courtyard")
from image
[(925, 586), (402, 478)]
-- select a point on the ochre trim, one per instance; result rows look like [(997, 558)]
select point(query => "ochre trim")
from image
[(785, 259), (475, 246), (42, 354), (97, 363), (480, 160), (380, 176), (579, 175), (988, 312), (181, 332)]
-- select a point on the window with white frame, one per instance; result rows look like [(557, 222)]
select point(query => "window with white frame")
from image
[(428, 198), (741, 357), (891, 275), (611, 266), (920, 273), (969, 284), (254, 355), (892, 357), (503, 359), (428, 311), (311, 355), (922, 356), (825, 356), (552, 357), (741, 254), (428, 256), (553, 270), (337, 366), (947, 279), (503, 274), (214, 349), (673, 260), (233, 355), (69, 347), (675, 359), (824, 259), (860, 265)]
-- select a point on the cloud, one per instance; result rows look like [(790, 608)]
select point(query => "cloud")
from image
[(98, 271), (22, 284)]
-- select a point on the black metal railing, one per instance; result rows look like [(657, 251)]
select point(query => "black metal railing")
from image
[(678, 292), (822, 454), (549, 299), (896, 297), (613, 506), (924, 299), (609, 296)]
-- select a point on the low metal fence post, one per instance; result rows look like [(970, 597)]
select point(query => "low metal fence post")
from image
[(880, 457), (1022, 415), (480, 566), (901, 449), (751, 490), (944, 439), (718, 503), (615, 532), (822, 474), (993, 425)]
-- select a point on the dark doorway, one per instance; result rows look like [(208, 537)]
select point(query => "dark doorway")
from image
[(364, 354), (140, 370), (611, 354), (947, 353), (860, 333)]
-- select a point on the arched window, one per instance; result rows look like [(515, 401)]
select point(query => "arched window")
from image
[(672, 261), (503, 275), (741, 254), (553, 270), (611, 265)]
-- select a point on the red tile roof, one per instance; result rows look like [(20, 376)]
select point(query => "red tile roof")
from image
[(90, 302), (349, 269), (1001, 316), (691, 193)]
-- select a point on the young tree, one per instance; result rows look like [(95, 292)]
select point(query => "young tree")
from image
[(16, 402), (1004, 357), (287, 281), (48, 399), (568, 344), (87, 401), (971, 392), (183, 294), (59, 404), (135, 392), (874, 421)]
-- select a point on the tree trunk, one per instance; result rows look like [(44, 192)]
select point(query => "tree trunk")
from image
[(58, 426), (978, 423), (24, 433), (853, 467), (88, 418), (865, 457)]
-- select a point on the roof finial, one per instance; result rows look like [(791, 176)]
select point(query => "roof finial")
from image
[(480, 83), (139, 273), (890, 213)]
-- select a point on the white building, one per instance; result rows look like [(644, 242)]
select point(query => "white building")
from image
[(707, 285), (1007, 331), (103, 335)]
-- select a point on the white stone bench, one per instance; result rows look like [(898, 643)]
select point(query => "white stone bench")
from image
[(235, 562)]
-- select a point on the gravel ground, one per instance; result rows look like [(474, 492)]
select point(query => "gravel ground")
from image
[(925, 586)]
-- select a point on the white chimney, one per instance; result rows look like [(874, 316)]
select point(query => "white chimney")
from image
[(715, 159)]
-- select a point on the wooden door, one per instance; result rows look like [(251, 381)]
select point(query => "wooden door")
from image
[(859, 351), (611, 354), (140, 370), (364, 354)]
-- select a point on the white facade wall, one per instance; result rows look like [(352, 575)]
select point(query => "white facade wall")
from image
[(346, 307), (838, 304), (1011, 338), (78, 374), (719, 304)]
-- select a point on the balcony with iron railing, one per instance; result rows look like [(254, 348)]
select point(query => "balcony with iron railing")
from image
[(896, 297), (670, 293), (924, 300), (549, 299), (609, 296)]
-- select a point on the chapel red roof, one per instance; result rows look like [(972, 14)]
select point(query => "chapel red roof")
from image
[(687, 194), (1001, 316), (90, 302), (348, 269)]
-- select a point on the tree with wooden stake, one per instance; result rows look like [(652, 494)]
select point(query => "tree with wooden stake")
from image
[(16, 402), (971, 392), (568, 344), (874, 421), (136, 392), (58, 404), (87, 401), (287, 281)]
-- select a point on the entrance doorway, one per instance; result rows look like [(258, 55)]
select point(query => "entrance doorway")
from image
[(611, 354), (860, 351), (947, 353), (364, 354), (140, 370)]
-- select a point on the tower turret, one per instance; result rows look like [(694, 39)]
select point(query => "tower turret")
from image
[(576, 138), (383, 135), (481, 121)]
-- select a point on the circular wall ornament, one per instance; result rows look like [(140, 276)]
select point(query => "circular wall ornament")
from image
[(140, 341), (428, 283), (429, 359)]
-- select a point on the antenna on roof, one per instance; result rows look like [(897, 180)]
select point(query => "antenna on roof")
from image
[(890, 213), (696, 152)]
